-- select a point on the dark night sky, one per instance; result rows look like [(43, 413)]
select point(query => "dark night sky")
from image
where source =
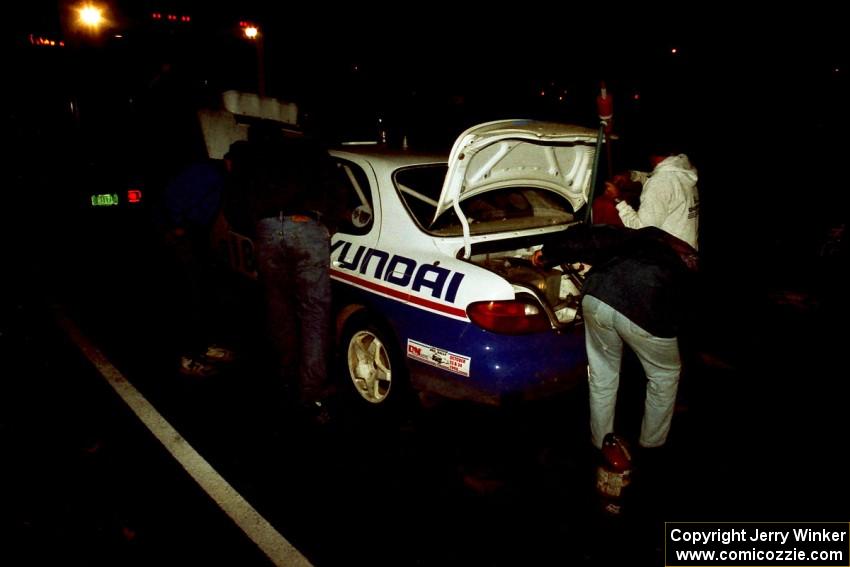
[(745, 88), (465, 47)]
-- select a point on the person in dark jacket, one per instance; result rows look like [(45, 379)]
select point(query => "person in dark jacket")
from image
[(292, 198), (636, 293), (191, 202)]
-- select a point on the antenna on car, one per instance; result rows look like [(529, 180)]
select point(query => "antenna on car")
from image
[(605, 107)]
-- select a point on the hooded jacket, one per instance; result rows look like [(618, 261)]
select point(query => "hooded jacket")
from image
[(669, 200)]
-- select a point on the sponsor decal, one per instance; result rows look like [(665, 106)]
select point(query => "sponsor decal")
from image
[(438, 282), (450, 361)]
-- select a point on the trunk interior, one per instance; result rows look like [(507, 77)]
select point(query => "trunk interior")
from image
[(558, 289)]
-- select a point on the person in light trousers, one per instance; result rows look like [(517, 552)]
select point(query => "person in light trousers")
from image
[(636, 293)]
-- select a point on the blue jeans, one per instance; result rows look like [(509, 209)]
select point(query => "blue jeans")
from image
[(293, 260), (606, 331)]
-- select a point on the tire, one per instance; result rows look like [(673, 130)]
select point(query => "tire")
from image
[(372, 368)]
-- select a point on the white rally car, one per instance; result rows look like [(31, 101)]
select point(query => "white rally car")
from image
[(433, 284), (437, 285)]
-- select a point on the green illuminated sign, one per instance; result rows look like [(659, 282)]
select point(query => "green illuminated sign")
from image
[(104, 200)]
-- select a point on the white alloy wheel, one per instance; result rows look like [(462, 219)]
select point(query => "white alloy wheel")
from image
[(369, 366)]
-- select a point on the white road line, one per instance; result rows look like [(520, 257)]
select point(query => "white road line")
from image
[(257, 528)]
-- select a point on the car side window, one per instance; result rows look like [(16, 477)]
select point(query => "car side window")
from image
[(419, 188), (359, 214)]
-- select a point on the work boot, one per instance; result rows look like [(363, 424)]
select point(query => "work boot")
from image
[(219, 354), (191, 366)]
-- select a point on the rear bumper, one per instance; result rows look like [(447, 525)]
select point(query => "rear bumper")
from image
[(513, 368), (429, 379)]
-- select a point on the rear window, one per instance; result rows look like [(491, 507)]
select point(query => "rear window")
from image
[(495, 210)]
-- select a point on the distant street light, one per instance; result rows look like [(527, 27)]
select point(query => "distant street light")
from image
[(252, 32), (91, 16)]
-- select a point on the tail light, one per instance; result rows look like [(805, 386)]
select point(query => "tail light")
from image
[(513, 317)]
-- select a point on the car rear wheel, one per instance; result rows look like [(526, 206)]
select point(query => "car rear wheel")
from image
[(369, 366), (371, 362)]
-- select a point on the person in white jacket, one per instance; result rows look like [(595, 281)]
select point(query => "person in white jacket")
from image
[(669, 199)]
